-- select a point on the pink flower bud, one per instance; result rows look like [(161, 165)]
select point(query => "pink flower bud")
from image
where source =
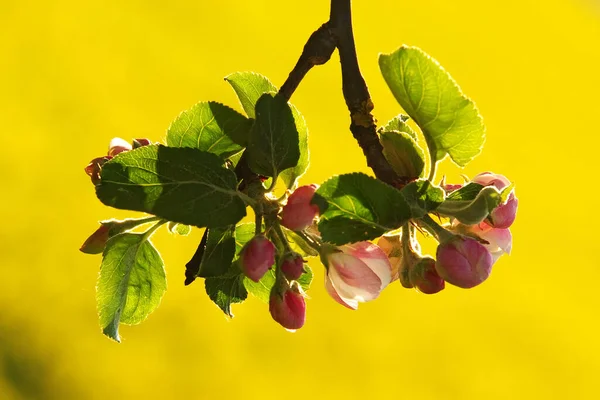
[(288, 308), (118, 145), (499, 241), (357, 273), (141, 143), (257, 257), (298, 213), (97, 240), (504, 215), (463, 262), (94, 168), (293, 267), (424, 277)]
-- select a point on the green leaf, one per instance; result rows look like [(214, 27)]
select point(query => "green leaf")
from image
[(423, 197), (398, 123), (355, 207), (182, 185), (249, 86), (243, 234), (227, 289), (403, 153), (467, 192), (179, 229), (306, 278), (290, 176), (131, 283), (219, 252), (262, 288), (274, 139), (449, 120), (472, 212), (212, 127)]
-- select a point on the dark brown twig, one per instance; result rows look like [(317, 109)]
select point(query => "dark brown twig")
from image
[(363, 125)]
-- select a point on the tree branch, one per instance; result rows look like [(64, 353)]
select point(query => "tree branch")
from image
[(317, 51), (363, 125)]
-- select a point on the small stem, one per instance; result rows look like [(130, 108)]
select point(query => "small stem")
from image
[(257, 223), (272, 185), (248, 200), (435, 229), (432, 172), (153, 228), (283, 238)]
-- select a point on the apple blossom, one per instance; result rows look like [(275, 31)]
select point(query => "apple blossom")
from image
[(356, 273)]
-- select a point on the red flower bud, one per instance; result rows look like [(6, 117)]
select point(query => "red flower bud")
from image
[(257, 257), (94, 167), (298, 213), (141, 143), (97, 240), (288, 308), (293, 267), (424, 277), (118, 145), (463, 262)]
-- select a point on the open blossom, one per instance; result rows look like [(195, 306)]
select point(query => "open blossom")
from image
[(299, 213), (504, 215), (357, 273), (258, 256), (287, 307), (463, 262)]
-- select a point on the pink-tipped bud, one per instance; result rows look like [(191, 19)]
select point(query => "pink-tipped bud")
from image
[(504, 215), (298, 213), (287, 307), (97, 241), (118, 145), (463, 262), (424, 277), (94, 168), (257, 257), (141, 143), (293, 267)]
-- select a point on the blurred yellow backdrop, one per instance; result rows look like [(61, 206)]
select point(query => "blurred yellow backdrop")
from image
[(73, 74)]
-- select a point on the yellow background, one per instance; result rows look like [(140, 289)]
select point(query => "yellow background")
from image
[(73, 74)]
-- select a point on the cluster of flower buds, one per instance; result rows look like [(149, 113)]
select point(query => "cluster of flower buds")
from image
[(466, 259), (286, 304), (116, 146), (358, 272)]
